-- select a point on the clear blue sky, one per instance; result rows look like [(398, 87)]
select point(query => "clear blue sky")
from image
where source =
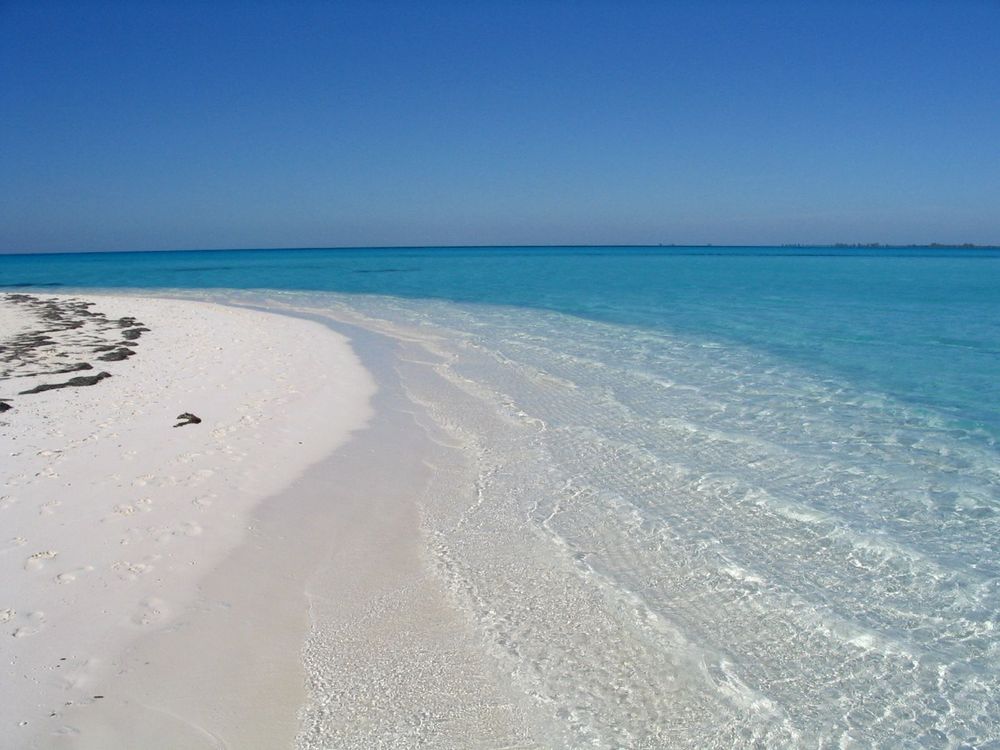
[(149, 125)]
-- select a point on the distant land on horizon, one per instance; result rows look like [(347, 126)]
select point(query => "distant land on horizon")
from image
[(786, 245)]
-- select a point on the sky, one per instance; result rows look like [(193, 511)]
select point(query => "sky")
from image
[(173, 125)]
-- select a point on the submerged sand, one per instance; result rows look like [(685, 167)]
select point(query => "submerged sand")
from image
[(113, 517)]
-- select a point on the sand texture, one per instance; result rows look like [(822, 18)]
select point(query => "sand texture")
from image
[(112, 509)]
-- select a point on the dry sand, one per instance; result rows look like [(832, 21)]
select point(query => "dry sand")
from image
[(111, 517)]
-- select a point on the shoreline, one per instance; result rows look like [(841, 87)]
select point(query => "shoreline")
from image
[(131, 512), (380, 647), (557, 532)]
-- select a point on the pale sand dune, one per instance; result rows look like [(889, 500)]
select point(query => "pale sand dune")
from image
[(110, 516)]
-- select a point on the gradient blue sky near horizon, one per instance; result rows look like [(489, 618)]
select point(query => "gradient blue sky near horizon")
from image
[(160, 125)]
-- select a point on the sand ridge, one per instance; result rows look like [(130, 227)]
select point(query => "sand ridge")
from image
[(110, 514)]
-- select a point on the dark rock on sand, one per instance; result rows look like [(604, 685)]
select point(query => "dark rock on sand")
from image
[(71, 383), (69, 368), (72, 368), (117, 355), (133, 333), (186, 419)]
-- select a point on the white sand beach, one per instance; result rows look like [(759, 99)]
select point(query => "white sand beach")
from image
[(112, 514), (418, 523)]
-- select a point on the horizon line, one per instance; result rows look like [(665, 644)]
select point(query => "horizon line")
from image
[(788, 245)]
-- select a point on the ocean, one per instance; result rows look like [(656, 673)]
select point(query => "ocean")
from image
[(708, 497)]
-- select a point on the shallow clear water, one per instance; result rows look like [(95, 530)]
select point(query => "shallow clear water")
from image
[(704, 500)]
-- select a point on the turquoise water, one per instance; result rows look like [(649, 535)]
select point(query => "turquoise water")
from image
[(731, 497), (920, 325)]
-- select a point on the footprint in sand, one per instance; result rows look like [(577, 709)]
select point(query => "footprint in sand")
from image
[(132, 536), (6, 501), (78, 674), (47, 509), (161, 534), (127, 509), (34, 623), (233, 454), (6, 615), (17, 541), (164, 534), (38, 560), (143, 480), (70, 575), (205, 501), (150, 611), (200, 476), (130, 571)]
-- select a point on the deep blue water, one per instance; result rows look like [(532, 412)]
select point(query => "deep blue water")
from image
[(920, 325)]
